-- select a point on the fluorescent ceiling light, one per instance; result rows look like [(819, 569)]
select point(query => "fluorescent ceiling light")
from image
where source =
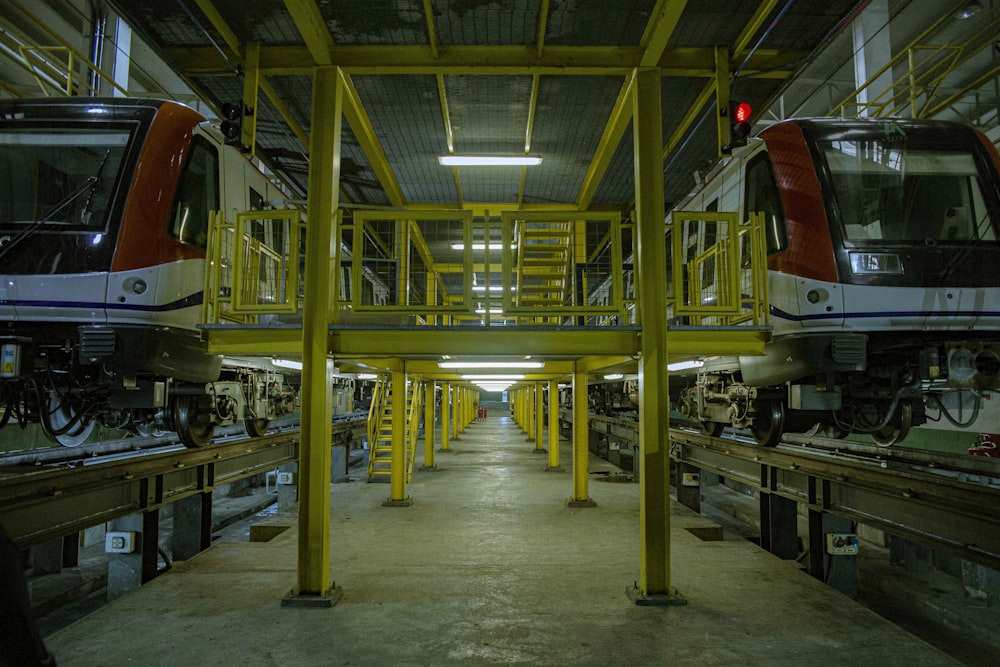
[(287, 363), (482, 288), (492, 377), (367, 376), (491, 364), (494, 245), (685, 365), (614, 376), (488, 160), (493, 311)]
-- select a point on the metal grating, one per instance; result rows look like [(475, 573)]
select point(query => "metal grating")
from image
[(265, 21), (598, 22), (618, 184), (365, 22), (491, 185), (468, 22), (489, 114), (165, 22), (406, 115), (572, 114)]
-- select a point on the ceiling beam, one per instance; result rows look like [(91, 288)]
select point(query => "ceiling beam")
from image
[(661, 26), (312, 27), (556, 60)]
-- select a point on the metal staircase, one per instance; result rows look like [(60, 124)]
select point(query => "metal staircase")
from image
[(544, 260), (380, 428)]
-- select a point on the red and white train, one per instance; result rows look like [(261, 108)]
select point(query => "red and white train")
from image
[(104, 209), (882, 243)]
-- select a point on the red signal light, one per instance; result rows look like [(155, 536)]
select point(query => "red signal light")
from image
[(741, 113)]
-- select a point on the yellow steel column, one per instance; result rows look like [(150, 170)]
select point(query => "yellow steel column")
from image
[(553, 425), (529, 416), (581, 449), (429, 426), (516, 398), (397, 466), (445, 399), (456, 411), (539, 418), (653, 586), (314, 586)]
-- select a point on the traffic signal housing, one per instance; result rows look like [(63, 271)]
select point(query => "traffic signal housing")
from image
[(232, 124), (739, 124)]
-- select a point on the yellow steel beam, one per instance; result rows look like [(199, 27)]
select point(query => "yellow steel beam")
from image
[(491, 60), (654, 491), (235, 339), (251, 86), (553, 425), (445, 406), (208, 8), (397, 463), (543, 20), (722, 99), (662, 23), (596, 363), (310, 24), (581, 443), (431, 27), (358, 119), (436, 341), (317, 397), (681, 131), (753, 25), (621, 116), (429, 409)]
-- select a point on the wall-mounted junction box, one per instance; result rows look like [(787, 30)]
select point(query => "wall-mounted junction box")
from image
[(690, 479), (286, 478), (119, 543), (842, 544)]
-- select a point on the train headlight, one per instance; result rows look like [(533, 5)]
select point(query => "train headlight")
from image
[(135, 285), (876, 262)]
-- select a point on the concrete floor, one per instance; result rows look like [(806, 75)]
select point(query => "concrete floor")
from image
[(489, 566)]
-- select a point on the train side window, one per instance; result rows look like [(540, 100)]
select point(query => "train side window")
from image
[(197, 195), (762, 195)]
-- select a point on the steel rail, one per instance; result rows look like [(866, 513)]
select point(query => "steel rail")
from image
[(40, 503)]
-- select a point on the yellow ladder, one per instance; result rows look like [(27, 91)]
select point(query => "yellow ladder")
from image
[(380, 428), (544, 260)]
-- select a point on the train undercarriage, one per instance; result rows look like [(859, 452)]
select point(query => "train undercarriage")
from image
[(138, 379)]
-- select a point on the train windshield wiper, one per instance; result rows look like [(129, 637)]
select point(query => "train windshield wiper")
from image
[(32, 227)]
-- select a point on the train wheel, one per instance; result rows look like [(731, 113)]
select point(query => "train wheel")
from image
[(769, 423), (256, 427), (62, 424), (898, 428), (713, 429), (192, 425)]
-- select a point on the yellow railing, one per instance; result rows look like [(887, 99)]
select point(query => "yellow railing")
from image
[(259, 275), (718, 269), (375, 412), (54, 68)]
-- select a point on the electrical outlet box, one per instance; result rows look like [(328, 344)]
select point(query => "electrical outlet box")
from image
[(286, 478), (842, 544), (119, 543), (690, 479)]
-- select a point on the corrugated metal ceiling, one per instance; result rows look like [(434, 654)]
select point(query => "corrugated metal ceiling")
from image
[(489, 110)]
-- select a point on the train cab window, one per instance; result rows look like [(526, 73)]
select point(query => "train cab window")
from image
[(197, 195), (762, 195)]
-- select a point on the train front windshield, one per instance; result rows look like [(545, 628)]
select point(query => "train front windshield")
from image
[(909, 186), (57, 188)]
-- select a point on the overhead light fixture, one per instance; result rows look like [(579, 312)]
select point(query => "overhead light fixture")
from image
[(489, 160), (492, 377), (614, 376), (493, 288), (478, 246), (493, 311), (367, 376), (969, 10), (685, 365), (287, 363), (491, 364)]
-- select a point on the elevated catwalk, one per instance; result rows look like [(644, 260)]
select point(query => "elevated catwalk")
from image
[(489, 566)]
